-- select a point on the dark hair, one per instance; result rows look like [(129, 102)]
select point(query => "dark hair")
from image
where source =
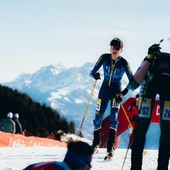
[(116, 42), (85, 147), (79, 154)]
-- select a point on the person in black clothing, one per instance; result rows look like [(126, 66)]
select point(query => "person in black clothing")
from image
[(18, 125), (154, 77), (8, 125)]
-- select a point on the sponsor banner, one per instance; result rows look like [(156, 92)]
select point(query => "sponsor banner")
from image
[(17, 140)]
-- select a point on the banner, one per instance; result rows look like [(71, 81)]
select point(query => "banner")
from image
[(123, 123), (17, 140)]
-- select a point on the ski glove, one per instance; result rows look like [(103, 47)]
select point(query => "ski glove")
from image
[(96, 76), (119, 99), (151, 51)]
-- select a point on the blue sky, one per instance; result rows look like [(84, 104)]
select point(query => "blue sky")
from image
[(36, 33)]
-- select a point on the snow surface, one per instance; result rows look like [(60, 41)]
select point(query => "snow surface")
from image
[(17, 158)]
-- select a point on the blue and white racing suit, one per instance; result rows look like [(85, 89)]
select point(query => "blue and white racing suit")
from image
[(113, 73)]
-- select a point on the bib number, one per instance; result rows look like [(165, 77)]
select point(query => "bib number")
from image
[(145, 110), (166, 111), (98, 104), (115, 104)]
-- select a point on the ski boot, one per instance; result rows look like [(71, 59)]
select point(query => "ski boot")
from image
[(109, 155), (110, 143)]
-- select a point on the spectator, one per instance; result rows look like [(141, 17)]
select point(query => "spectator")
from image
[(18, 125), (8, 125), (78, 157), (133, 110)]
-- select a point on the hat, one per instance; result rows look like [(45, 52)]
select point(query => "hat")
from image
[(16, 115), (116, 42), (79, 155), (10, 115)]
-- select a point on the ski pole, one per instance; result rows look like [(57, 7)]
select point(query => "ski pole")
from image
[(129, 140), (88, 103), (125, 155), (126, 116)]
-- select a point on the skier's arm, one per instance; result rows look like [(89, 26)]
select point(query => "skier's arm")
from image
[(140, 74), (138, 77), (93, 72)]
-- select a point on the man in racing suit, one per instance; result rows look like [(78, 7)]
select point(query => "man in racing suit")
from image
[(114, 67), (156, 81)]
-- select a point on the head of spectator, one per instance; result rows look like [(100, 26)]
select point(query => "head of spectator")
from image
[(79, 155), (9, 115), (16, 116)]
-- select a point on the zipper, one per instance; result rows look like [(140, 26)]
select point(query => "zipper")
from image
[(112, 68)]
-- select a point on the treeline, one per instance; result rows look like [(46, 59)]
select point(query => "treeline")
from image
[(37, 119)]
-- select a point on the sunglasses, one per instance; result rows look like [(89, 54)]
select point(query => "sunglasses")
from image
[(115, 47)]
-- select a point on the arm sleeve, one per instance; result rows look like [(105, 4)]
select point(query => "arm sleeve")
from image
[(99, 63), (127, 69), (133, 85)]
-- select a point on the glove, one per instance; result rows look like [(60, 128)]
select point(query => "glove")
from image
[(151, 51), (125, 91), (96, 76), (118, 99)]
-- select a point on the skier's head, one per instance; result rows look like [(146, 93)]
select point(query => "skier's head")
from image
[(16, 115), (10, 115), (116, 47), (117, 43), (79, 155)]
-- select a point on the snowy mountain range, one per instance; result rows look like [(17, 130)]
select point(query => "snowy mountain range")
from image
[(65, 89)]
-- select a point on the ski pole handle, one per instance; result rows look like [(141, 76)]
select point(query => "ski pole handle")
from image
[(160, 42)]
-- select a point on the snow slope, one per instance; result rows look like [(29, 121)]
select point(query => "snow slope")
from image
[(17, 158)]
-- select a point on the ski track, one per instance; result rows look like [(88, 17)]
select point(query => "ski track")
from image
[(17, 158)]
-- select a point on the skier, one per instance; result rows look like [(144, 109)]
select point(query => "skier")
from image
[(78, 157), (114, 67), (154, 77)]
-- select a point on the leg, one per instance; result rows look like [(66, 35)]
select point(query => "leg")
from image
[(164, 147), (101, 107), (139, 137), (113, 126), (164, 143), (147, 95), (139, 133)]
